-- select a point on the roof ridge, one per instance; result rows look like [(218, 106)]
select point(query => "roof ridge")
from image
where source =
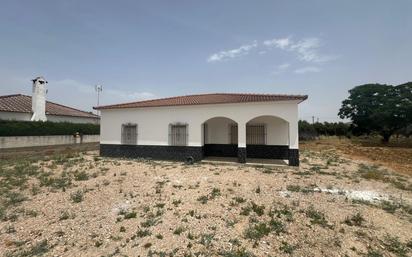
[(65, 106), (68, 108), (197, 95), (12, 95)]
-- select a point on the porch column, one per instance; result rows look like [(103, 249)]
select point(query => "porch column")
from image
[(241, 145), (293, 143)]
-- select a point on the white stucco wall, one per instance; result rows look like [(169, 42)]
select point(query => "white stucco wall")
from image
[(54, 118), (277, 130), (15, 116), (218, 130), (153, 122)]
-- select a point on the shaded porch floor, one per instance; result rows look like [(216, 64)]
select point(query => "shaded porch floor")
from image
[(250, 161)]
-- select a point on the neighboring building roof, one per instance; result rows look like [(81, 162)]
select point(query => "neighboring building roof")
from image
[(216, 98), (22, 103)]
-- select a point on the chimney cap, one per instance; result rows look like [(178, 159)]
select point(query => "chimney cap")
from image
[(41, 79)]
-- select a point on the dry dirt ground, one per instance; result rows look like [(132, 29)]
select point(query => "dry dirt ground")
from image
[(396, 155), (84, 205)]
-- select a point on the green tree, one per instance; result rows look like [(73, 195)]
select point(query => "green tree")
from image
[(383, 109)]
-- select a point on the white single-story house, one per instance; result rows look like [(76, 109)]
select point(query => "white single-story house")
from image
[(198, 126), (36, 108)]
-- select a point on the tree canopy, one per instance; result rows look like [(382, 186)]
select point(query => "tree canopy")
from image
[(379, 108)]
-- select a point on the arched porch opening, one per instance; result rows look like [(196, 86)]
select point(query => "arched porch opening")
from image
[(220, 137), (267, 137)]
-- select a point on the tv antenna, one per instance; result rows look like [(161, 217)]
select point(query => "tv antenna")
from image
[(98, 88)]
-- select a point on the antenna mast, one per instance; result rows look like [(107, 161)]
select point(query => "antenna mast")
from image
[(98, 88)]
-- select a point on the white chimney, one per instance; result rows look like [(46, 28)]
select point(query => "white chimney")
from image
[(38, 99)]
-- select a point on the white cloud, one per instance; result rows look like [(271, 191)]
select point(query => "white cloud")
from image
[(233, 53), (306, 49), (281, 43), (127, 95), (307, 69)]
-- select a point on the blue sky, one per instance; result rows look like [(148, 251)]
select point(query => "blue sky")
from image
[(139, 50)]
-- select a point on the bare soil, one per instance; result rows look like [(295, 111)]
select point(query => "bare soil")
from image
[(84, 205), (396, 155)]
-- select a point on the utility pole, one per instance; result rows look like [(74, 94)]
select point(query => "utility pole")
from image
[(98, 88), (313, 119)]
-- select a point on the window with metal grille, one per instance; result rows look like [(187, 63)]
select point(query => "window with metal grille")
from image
[(129, 134), (233, 134), (256, 134), (178, 134)]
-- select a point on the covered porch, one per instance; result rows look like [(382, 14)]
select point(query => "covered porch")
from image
[(263, 139)]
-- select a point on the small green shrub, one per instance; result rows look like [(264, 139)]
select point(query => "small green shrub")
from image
[(206, 239), (179, 230), (143, 233), (77, 196), (257, 231), (258, 209), (130, 215), (14, 198), (176, 202), (316, 217), (245, 211), (374, 253), (389, 206), (203, 199), (395, 246), (355, 220), (293, 188), (65, 215), (287, 248), (239, 199), (215, 193), (239, 252), (277, 226), (81, 175), (372, 172)]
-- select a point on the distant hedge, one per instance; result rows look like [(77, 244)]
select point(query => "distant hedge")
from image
[(39, 128), (309, 131)]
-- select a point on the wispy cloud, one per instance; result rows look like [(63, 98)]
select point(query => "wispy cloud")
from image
[(233, 53), (281, 43), (306, 49), (281, 68), (128, 95), (307, 69)]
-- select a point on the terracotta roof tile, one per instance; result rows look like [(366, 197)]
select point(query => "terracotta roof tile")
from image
[(22, 103), (217, 98)]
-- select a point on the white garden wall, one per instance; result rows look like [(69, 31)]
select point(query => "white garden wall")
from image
[(30, 141), (57, 118), (15, 116), (53, 118)]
